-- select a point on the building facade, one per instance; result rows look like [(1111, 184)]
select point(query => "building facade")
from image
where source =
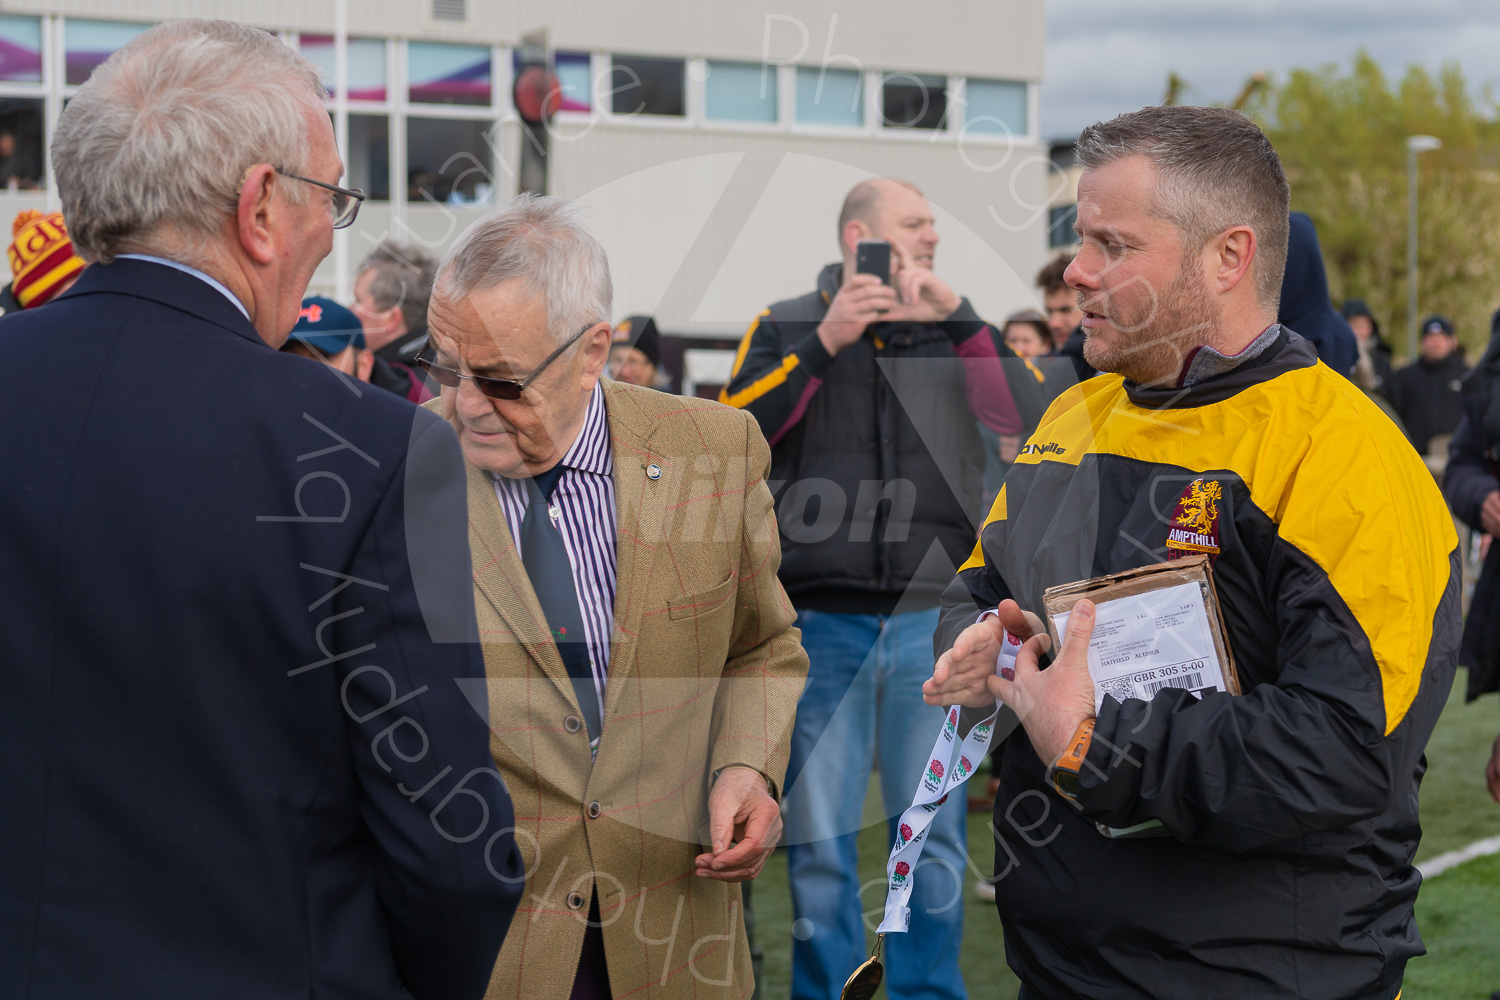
[(712, 144)]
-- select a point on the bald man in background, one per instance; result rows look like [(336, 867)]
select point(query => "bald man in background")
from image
[(868, 391)]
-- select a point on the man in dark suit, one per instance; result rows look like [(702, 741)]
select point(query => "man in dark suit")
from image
[(236, 624)]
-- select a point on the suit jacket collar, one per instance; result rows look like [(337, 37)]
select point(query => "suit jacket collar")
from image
[(144, 279), (500, 576)]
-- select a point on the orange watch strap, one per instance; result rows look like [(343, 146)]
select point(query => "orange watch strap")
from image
[(1071, 761), (1078, 746)]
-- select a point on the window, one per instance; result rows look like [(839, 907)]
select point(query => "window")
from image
[(21, 49), (830, 96), (366, 66), (21, 144), (1060, 221), (911, 101), (574, 79), (369, 155), (995, 106), (89, 43), (448, 74), (642, 86), (741, 92), (448, 161)]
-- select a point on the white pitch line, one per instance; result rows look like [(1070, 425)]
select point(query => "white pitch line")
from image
[(1441, 863)]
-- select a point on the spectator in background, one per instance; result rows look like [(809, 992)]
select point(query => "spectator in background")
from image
[(391, 289), (42, 262), (329, 333), (1471, 484), (18, 170), (1027, 334), (836, 379), (1373, 350), (1305, 305), (1064, 318), (1427, 391), (635, 355)]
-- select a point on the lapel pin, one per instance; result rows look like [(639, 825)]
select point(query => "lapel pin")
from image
[(653, 471)]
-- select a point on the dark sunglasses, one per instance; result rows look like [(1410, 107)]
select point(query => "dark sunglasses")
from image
[(494, 388)]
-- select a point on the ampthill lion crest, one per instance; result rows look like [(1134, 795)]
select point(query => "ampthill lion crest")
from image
[(1195, 521)]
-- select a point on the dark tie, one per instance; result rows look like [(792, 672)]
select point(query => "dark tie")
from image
[(546, 560)]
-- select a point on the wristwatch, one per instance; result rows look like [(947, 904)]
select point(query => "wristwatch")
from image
[(1063, 774)]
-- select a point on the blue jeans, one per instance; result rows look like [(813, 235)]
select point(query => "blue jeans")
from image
[(863, 698)]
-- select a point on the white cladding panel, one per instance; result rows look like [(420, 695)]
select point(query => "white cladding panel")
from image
[(704, 229), (994, 38)]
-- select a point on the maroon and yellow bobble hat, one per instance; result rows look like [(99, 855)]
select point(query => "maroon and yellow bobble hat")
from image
[(41, 257)]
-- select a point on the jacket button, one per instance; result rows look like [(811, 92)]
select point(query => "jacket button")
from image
[(571, 724), (575, 901), (594, 810)]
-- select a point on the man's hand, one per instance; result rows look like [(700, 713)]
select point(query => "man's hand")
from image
[(1489, 513), (742, 811), (962, 675), (1010, 448), (862, 299), (1053, 703), (1492, 772), (925, 298)]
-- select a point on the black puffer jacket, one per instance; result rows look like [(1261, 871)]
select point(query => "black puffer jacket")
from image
[(1426, 395), (875, 456), (1291, 810)]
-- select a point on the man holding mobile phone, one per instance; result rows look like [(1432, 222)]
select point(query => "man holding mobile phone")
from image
[(868, 390)]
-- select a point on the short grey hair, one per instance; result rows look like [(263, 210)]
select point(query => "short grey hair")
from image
[(152, 150), (401, 275), (1215, 169), (544, 242)]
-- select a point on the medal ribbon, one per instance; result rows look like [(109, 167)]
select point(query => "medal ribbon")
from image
[(943, 775)]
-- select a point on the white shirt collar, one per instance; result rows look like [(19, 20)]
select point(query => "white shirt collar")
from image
[(185, 269)]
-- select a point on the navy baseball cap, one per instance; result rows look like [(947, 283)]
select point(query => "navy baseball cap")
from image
[(1437, 324), (327, 326)]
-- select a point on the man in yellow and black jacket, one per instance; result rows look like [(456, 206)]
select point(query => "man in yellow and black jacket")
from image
[(1287, 815)]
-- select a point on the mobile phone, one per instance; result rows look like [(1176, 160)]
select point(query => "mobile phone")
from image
[(874, 257)]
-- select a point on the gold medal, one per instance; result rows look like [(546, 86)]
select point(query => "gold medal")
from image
[(866, 979)]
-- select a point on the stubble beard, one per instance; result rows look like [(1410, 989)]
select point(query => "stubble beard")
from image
[(1152, 348)]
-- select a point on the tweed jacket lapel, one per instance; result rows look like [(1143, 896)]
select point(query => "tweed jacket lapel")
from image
[(640, 509), (501, 577)]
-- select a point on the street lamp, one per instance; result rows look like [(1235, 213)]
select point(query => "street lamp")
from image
[(1414, 144)]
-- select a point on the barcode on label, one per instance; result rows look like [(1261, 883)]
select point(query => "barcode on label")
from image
[(1189, 681)]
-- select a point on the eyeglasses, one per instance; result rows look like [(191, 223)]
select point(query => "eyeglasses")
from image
[(346, 201), (494, 388)]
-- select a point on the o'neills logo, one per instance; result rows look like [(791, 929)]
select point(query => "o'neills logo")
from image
[(1050, 448), (1195, 521)]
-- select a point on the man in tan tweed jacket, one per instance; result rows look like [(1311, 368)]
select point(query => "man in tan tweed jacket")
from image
[(692, 671)]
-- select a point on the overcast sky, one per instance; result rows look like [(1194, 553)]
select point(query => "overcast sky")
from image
[(1107, 56)]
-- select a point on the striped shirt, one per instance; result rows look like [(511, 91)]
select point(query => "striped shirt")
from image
[(585, 499)]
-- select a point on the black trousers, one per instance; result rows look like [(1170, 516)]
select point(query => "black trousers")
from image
[(592, 979)]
